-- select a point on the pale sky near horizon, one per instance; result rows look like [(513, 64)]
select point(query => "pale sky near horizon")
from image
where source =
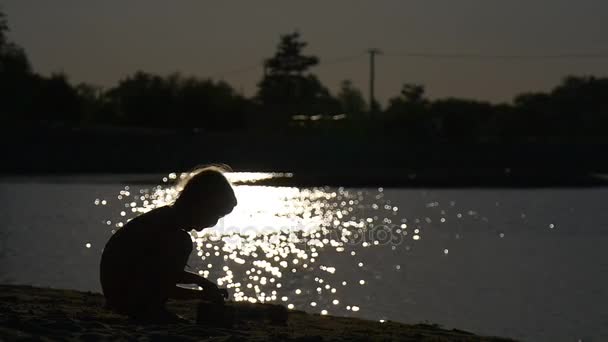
[(102, 42)]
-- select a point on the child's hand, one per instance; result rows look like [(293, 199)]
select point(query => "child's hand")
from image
[(216, 295), (224, 293)]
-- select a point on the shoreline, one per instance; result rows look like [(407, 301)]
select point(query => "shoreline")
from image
[(31, 312), (431, 179), (315, 158)]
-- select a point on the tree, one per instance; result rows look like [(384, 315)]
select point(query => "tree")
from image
[(461, 120), (150, 100), (288, 60), (55, 100), (3, 30), (143, 99), (288, 88), (408, 113), (12, 57), (16, 79), (94, 104), (413, 93), (575, 109), (210, 105), (351, 99), (410, 102)]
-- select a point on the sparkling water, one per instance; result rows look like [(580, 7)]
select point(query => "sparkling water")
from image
[(527, 264)]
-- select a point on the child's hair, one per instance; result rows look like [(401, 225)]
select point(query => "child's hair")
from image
[(206, 181)]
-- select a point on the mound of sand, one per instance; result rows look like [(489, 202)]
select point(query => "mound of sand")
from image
[(40, 313)]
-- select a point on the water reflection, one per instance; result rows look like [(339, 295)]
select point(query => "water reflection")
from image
[(275, 231), (280, 244)]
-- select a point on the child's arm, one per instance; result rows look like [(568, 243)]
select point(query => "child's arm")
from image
[(187, 294), (210, 288), (183, 293), (191, 278)]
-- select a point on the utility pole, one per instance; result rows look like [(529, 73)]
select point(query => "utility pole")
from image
[(372, 77)]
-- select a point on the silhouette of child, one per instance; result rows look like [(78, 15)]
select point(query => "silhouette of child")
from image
[(143, 262)]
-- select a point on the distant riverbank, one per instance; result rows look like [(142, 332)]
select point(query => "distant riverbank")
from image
[(314, 159)]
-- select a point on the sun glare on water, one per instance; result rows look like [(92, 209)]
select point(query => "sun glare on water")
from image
[(275, 232), (280, 244)]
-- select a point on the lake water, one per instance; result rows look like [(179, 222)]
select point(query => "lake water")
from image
[(526, 264)]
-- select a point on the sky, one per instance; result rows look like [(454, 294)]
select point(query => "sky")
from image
[(103, 41)]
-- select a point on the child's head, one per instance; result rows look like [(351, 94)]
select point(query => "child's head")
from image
[(206, 197)]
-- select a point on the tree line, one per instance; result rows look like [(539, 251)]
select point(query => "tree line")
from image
[(290, 96)]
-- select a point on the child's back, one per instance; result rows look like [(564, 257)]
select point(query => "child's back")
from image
[(143, 260)]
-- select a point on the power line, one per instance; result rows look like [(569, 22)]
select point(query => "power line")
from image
[(498, 56), (249, 68), (427, 55), (434, 55), (339, 60)]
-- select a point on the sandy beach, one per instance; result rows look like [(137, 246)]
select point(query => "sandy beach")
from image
[(47, 314)]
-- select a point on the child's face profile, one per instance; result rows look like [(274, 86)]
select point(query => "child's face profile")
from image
[(206, 216), (204, 200)]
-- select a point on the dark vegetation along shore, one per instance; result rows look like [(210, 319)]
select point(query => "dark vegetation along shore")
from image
[(29, 313), (323, 159), (156, 123)]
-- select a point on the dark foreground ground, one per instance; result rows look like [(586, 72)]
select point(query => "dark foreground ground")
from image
[(29, 313)]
